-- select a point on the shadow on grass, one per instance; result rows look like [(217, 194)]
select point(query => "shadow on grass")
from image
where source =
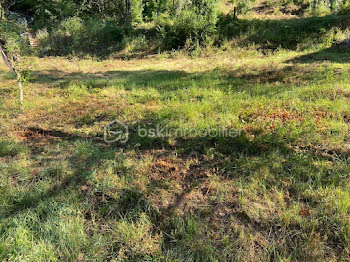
[(239, 158), (335, 55), (275, 80), (142, 78), (82, 167), (83, 164)]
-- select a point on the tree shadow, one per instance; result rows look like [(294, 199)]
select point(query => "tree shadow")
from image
[(337, 54), (98, 152), (141, 78), (82, 169), (130, 203), (275, 80)]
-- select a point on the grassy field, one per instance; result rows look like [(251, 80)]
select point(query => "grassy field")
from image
[(277, 192)]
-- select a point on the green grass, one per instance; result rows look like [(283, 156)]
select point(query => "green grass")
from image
[(278, 192), (9, 148)]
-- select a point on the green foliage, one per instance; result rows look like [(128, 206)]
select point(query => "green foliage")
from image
[(344, 7), (316, 6), (10, 34), (48, 13), (136, 11), (285, 33), (154, 8), (75, 35), (195, 24), (242, 5), (104, 26)]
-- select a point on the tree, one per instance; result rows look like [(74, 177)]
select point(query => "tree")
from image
[(5, 6), (12, 47)]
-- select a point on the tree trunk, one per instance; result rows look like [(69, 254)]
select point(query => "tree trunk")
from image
[(21, 94)]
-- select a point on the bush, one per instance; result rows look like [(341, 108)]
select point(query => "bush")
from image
[(75, 36), (194, 27), (285, 33), (10, 36), (196, 23), (321, 7)]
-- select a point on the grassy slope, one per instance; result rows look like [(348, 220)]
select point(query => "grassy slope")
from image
[(279, 191)]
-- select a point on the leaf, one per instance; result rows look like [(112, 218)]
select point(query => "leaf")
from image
[(305, 212)]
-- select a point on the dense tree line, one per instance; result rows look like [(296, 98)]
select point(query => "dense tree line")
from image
[(121, 11), (130, 12), (105, 26), (126, 11), (136, 11)]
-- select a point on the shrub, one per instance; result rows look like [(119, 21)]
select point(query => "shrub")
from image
[(195, 23), (75, 36), (242, 6), (10, 34), (285, 33)]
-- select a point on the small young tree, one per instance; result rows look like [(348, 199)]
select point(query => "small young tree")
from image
[(12, 48), (240, 6)]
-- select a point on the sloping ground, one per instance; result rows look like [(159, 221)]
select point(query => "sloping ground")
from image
[(290, 33), (276, 190), (263, 9), (277, 10)]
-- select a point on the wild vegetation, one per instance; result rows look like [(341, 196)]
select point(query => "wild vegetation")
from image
[(276, 191), (140, 27)]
